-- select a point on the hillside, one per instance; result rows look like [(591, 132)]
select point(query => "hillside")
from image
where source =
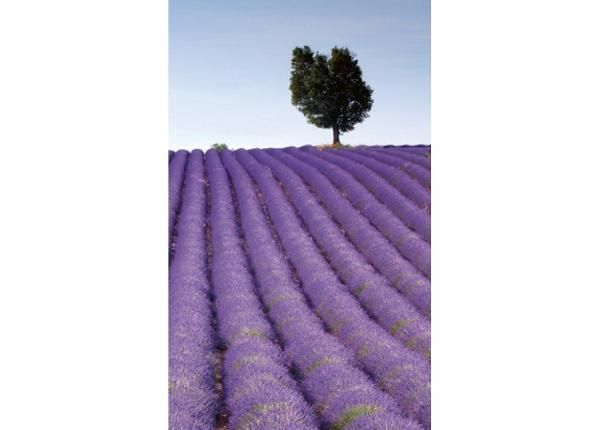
[(299, 289)]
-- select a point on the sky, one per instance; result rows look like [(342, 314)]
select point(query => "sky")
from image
[(229, 70)]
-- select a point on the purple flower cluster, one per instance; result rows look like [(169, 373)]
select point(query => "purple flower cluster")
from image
[(192, 397), (398, 203), (386, 305), (401, 180), (259, 391), (176, 179), (408, 156), (399, 371), (373, 245), (280, 282), (341, 394), (415, 171), (411, 245), (425, 151)]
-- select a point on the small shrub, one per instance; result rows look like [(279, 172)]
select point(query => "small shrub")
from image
[(219, 146), (328, 146)]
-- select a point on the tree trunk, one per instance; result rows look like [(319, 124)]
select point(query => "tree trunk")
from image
[(336, 136)]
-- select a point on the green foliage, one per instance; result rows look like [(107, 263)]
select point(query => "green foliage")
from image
[(330, 92), (398, 325), (352, 413), (219, 146)]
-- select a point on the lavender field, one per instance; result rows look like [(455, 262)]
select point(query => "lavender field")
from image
[(299, 289)]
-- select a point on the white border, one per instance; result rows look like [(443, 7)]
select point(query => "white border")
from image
[(515, 214), (83, 306)]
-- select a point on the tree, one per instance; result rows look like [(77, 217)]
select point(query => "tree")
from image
[(330, 92)]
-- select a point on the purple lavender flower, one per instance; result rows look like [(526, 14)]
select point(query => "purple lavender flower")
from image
[(192, 397), (176, 179), (407, 154), (300, 277), (411, 246), (405, 163), (326, 369), (398, 178), (259, 391), (401, 205), (375, 294), (402, 373), (379, 251)]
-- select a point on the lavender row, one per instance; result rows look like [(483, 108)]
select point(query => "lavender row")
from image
[(403, 154), (399, 371), (411, 245), (384, 304), (399, 179), (176, 180), (171, 155), (377, 249), (398, 203), (418, 149), (259, 391), (192, 397), (415, 171), (341, 393), (424, 151), (394, 155)]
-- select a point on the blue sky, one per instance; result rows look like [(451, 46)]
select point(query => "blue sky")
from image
[(229, 69)]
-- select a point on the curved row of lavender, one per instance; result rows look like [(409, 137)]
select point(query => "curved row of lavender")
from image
[(340, 392), (406, 184), (277, 266), (392, 310), (379, 251), (259, 390), (399, 371), (425, 151), (419, 173), (192, 395), (404, 208), (177, 167), (410, 244), (407, 156)]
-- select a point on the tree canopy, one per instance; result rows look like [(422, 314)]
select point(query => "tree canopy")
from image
[(330, 92)]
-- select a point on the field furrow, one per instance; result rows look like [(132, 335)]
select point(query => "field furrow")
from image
[(417, 159), (176, 182), (376, 248), (259, 390), (384, 304), (401, 372), (324, 366), (400, 162), (410, 244), (192, 397), (399, 179), (299, 292), (404, 208), (424, 151)]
